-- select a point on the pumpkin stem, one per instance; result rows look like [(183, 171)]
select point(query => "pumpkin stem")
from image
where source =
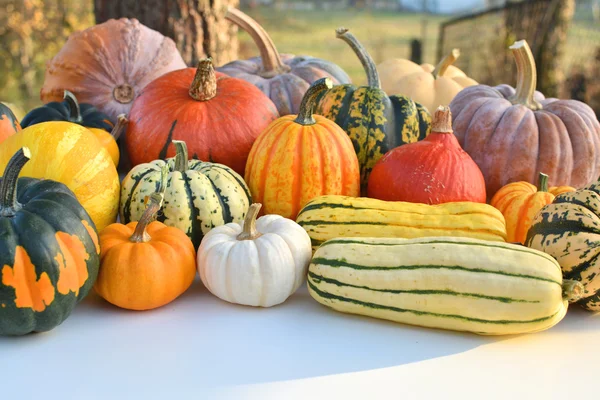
[(204, 85), (572, 290), (442, 120), (443, 65), (542, 182), (307, 105), (249, 232), (118, 129), (363, 55), (272, 64), (73, 105), (526, 76), (181, 155), (153, 204), (8, 186)]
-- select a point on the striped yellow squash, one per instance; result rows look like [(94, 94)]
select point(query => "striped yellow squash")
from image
[(327, 217), (461, 284)]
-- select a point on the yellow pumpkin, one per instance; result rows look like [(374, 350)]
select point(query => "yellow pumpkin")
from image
[(431, 86), (108, 140)]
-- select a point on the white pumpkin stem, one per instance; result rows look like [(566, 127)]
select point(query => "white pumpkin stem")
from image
[(307, 106), (447, 61), (204, 85), (153, 204), (442, 120), (542, 182), (181, 155), (249, 232), (8, 186), (363, 55), (119, 128), (572, 290), (73, 105), (526, 76)]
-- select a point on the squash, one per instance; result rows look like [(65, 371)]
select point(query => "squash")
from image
[(569, 230), (283, 77), (460, 284), (328, 217), (49, 252), (299, 157), (375, 122), (257, 263), (108, 65), (109, 140), (431, 86), (557, 190), (433, 171), (515, 135), (199, 195), (218, 116), (520, 202), (70, 154), (145, 265), (9, 124)]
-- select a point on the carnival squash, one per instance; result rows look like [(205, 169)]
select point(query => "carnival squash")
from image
[(299, 157), (283, 77), (9, 124)]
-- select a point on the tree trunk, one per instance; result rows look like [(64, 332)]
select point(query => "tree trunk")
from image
[(198, 27)]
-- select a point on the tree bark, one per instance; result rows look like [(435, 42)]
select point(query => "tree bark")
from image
[(198, 27)]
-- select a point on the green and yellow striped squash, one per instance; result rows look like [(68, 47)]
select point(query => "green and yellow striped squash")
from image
[(569, 230), (375, 122), (460, 284), (328, 217), (198, 195)]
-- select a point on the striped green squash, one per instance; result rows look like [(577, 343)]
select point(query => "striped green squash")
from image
[(198, 196), (375, 122), (461, 284)]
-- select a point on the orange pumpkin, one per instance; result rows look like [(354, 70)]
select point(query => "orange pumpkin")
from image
[(145, 265), (556, 190), (300, 157), (519, 202)]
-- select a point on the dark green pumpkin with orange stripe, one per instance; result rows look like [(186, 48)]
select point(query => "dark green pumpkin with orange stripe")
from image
[(49, 251), (375, 122)]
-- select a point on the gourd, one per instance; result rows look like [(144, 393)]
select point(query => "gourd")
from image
[(49, 252), (515, 135), (375, 122), (520, 202), (431, 86), (144, 264), (283, 77), (198, 196), (328, 217), (9, 124), (433, 171), (260, 262), (299, 157), (218, 116), (70, 154), (460, 284), (108, 65), (569, 230)]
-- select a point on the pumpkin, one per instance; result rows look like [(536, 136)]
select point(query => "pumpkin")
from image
[(70, 154), (557, 190), (198, 196), (109, 140), (145, 265), (520, 202), (431, 86), (433, 171), (375, 122), (260, 262), (108, 65), (283, 77), (49, 252), (8, 122), (299, 157), (515, 135), (218, 116)]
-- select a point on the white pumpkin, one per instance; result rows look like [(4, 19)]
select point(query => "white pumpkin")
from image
[(257, 263)]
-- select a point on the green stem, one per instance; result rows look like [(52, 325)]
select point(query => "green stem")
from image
[(8, 186), (526, 76), (204, 85), (119, 128), (181, 156), (542, 185), (73, 105), (307, 105), (153, 204), (447, 61), (250, 232), (572, 290), (363, 55)]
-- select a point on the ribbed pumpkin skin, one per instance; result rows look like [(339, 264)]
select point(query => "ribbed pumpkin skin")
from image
[(557, 190), (70, 154), (451, 283), (49, 258), (290, 164), (219, 130), (208, 193), (91, 117), (328, 217), (9, 124)]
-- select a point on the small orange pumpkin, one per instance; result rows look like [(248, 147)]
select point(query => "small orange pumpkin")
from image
[(556, 190), (145, 265), (519, 202)]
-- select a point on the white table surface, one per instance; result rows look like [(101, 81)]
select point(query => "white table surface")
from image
[(200, 347)]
